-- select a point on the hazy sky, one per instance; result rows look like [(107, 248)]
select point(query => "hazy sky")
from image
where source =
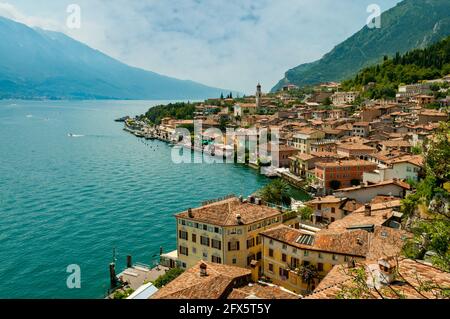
[(228, 44)]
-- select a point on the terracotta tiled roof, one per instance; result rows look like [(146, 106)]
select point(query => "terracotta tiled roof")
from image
[(224, 213), (191, 285), (413, 159), (346, 163), (326, 200), (377, 218), (361, 124), (380, 184), (357, 242), (304, 156), (257, 291), (306, 131), (412, 276), (356, 146), (345, 127), (384, 205), (395, 143)]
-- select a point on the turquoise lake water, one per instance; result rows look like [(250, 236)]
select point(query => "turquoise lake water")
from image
[(67, 200)]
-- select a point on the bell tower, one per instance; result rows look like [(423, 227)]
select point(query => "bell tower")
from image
[(258, 96)]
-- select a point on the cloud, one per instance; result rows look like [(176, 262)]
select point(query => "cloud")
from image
[(9, 11), (230, 44)]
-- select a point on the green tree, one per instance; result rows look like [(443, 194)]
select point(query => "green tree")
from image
[(305, 212), (308, 273), (276, 192), (426, 211), (170, 275)]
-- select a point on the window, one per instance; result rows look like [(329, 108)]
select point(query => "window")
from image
[(217, 230), (205, 255), (294, 263), (194, 238), (216, 244), (294, 250), (335, 257), (271, 267), (259, 256), (271, 242), (320, 255), (306, 253), (284, 274), (345, 258), (184, 251), (283, 257), (270, 252), (196, 225), (284, 246), (216, 259), (258, 240), (233, 245), (205, 227), (306, 263), (183, 222), (183, 235), (333, 210), (320, 267), (250, 242), (194, 250), (234, 261), (204, 241)]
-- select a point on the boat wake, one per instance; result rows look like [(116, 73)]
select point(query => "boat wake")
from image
[(74, 135)]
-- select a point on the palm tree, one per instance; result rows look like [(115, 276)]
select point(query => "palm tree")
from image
[(308, 273), (277, 192)]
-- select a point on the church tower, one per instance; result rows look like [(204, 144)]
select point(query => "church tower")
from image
[(258, 96)]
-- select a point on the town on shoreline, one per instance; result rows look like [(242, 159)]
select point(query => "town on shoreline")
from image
[(365, 163)]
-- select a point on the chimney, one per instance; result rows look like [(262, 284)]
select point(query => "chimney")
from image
[(388, 267), (190, 214), (239, 219), (367, 210), (241, 199), (203, 270)]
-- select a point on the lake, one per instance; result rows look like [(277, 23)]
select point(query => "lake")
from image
[(71, 200)]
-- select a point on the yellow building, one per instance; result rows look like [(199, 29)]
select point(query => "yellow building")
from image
[(291, 255), (224, 232), (331, 208), (303, 138)]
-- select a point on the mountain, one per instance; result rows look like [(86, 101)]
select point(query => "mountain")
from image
[(410, 24), (36, 63), (382, 80)]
